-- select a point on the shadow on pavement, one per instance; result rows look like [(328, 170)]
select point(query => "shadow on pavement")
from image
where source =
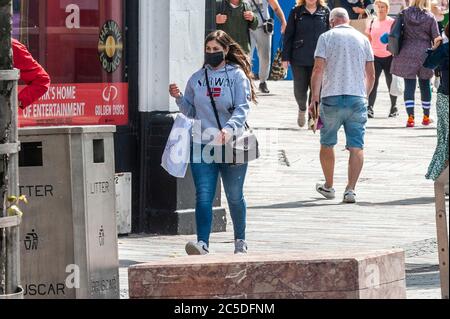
[(423, 276), (423, 280), (318, 202), (397, 128), (402, 202), (420, 268)]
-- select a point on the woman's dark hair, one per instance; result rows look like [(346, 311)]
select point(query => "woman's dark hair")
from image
[(446, 31), (235, 55)]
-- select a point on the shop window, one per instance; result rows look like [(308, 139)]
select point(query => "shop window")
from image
[(81, 45)]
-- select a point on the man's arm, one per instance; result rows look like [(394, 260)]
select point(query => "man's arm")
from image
[(370, 77), (221, 17), (316, 81), (32, 73), (288, 38), (280, 14)]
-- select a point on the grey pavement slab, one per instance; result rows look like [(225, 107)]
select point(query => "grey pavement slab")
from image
[(395, 202)]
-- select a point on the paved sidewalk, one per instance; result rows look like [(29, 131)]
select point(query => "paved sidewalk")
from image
[(395, 202)]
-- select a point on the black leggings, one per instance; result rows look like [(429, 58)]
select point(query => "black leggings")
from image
[(382, 64), (302, 82)]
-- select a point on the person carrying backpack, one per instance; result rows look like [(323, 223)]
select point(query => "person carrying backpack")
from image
[(236, 18)]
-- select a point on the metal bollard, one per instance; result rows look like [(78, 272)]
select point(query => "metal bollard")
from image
[(442, 231)]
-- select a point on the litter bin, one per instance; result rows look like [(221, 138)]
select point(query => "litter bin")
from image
[(69, 244)]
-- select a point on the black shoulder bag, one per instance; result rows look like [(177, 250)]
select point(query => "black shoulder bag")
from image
[(244, 148), (396, 35), (268, 25)]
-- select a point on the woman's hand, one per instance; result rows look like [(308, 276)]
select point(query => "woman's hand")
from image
[(174, 91), (249, 16), (437, 42), (223, 137), (358, 10)]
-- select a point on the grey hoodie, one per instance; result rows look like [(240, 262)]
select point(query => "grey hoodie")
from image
[(232, 94)]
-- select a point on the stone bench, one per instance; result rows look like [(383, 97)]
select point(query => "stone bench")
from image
[(377, 275)]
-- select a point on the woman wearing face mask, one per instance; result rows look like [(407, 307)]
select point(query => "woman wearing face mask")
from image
[(228, 71)]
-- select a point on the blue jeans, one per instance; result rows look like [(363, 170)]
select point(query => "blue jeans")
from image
[(205, 179), (344, 110)]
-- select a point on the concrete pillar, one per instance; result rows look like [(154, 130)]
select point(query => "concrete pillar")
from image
[(171, 50)]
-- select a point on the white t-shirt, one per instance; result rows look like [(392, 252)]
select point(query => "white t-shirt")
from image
[(346, 52)]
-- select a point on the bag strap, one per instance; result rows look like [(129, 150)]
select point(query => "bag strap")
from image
[(371, 26), (213, 103), (260, 12)]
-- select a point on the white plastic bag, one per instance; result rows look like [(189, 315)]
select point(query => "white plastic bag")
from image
[(397, 86), (175, 159), (437, 82)]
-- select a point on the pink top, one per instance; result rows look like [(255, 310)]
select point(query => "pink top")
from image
[(376, 30)]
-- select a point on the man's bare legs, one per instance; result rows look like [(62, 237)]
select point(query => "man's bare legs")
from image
[(355, 167), (328, 159), (356, 163)]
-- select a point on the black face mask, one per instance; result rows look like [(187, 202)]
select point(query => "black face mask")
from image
[(214, 59)]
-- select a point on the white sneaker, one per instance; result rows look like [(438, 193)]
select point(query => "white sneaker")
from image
[(240, 247), (197, 249), (328, 193), (349, 197)]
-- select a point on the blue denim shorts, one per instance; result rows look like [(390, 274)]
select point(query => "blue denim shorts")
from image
[(344, 110)]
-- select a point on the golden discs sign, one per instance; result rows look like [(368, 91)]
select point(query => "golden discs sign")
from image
[(110, 46)]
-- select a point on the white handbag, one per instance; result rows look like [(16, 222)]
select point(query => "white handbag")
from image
[(176, 156)]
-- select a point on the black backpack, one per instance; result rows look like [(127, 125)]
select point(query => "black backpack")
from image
[(396, 35)]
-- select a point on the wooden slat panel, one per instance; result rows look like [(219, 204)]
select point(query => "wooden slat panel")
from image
[(7, 222)]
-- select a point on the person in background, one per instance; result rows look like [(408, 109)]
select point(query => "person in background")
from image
[(228, 70), (397, 6), (438, 11), (261, 40), (343, 77), (236, 18), (358, 10), (307, 22), (34, 76), (420, 32), (439, 57), (354, 7), (383, 58)]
